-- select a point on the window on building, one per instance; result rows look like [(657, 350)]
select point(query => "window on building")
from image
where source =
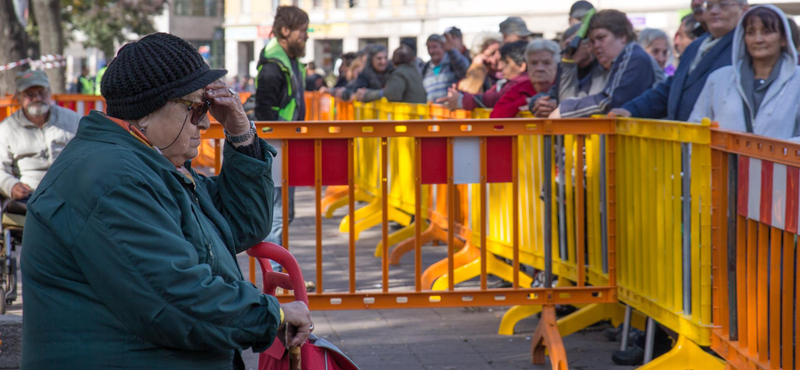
[(196, 8), (353, 3), (317, 3), (275, 5)]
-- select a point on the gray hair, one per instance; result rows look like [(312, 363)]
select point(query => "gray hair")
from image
[(649, 35), (484, 39), (543, 45)]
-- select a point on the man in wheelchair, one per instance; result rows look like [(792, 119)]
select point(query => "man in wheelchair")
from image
[(30, 140)]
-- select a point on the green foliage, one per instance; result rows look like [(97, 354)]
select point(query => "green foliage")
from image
[(105, 22)]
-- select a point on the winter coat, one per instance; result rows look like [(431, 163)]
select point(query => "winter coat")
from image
[(437, 79), (404, 86), (632, 72), (516, 97), (27, 152), (490, 98), (133, 263), (674, 98), (724, 100)]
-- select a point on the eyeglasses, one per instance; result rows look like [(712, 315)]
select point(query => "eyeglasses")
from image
[(198, 109), (33, 94), (723, 5), (698, 10)]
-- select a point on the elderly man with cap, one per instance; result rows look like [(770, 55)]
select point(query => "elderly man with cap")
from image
[(31, 138), (133, 252), (514, 29), (446, 67)]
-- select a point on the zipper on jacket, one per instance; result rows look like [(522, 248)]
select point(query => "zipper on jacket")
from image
[(209, 247)]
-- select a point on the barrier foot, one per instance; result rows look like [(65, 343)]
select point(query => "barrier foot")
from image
[(547, 337), (472, 269), (375, 219), (685, 355), (433, 233), (518, 313), (514, 315), (396, 237), (360, 196), (370, 209), (468, 253), (332, 193)]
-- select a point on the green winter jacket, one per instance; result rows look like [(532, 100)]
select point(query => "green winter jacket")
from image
[(129, 264)]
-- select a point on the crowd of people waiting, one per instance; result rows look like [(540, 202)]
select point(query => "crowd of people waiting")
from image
[(599, 65)]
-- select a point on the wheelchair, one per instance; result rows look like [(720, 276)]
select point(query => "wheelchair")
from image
[(13, 220)]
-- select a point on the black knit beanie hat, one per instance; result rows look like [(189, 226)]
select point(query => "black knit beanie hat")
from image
[(149, 72)]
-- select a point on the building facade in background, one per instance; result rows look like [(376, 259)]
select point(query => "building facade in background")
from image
[(338, 26), (197, 21)]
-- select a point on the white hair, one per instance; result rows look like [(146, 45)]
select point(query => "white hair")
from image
[(649, 35), (543, 45)]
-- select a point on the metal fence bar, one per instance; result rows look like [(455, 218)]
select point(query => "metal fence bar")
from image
[(686, 256), (730, 267), (548, 213)]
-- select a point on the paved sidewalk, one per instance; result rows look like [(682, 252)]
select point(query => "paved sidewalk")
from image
[(447, 338)]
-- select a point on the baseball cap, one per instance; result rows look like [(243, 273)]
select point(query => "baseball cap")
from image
[(579, 9), (31, 78), (516, 26)]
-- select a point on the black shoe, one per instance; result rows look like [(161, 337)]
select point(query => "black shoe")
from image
[(613, 334), (634, 355)]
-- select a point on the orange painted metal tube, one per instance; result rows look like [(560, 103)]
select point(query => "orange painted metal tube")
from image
[(515, 208), (719, 240), (351, 212), (581, 217), (318, 204), (611, 201), (742, 241), (774, 298), (788, 294), (418, 215), (385, 213), (451, 216), (483, 205), (762, 309), (285, 192)]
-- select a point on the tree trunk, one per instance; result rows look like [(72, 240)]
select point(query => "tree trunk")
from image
[(13, 41), (51, 35)]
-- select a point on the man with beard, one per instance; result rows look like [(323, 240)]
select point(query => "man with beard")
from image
[(280, 90), (31, 138), (279, 86)]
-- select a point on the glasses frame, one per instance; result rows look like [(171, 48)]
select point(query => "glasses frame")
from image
[(198, 110), (723, 5)]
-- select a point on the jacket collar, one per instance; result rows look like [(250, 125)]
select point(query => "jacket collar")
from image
[(98, 127), (708, 61), (25, 122)]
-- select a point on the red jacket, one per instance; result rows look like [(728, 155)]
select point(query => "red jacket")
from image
[(508, 105), (492, 96)]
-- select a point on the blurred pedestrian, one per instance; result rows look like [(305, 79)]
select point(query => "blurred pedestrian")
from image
[(578, 10), (684, 37), (412, 44), (627, 69), (514, 69), (514, 29), (542, 58), (758, 93), (656, 43), (344, 64), (458, 41), (675, 98), (404, 84), (314, 81), (446, 67), (482, 74), (375, 74)]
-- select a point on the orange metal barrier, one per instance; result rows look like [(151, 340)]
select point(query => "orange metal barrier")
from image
[(307, 140), (755, 190)]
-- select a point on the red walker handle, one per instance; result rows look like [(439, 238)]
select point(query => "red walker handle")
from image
[(292, 280)]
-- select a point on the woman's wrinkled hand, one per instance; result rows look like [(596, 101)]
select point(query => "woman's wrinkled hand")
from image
[(297, 325), (226, 107)]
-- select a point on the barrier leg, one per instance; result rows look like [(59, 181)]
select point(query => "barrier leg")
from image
[(626, 328), (518, 313), (360, 196), (373, 207), (547, 337), (471, 270), (649, 340), (332, 194), (396, 237), (407, 245), (685, 355), (468, 254), (375, 219)]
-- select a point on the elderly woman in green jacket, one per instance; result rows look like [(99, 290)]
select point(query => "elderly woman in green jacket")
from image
[(129, 254)]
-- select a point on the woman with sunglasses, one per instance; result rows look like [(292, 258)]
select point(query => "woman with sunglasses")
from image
[(131, 254)]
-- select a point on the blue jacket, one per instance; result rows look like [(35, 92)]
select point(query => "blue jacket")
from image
[(674, 98), (631, 74)]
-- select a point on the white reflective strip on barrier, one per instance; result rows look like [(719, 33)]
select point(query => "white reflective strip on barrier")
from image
[(277, 163), (466, 160), (754, 190), (779, 196)]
